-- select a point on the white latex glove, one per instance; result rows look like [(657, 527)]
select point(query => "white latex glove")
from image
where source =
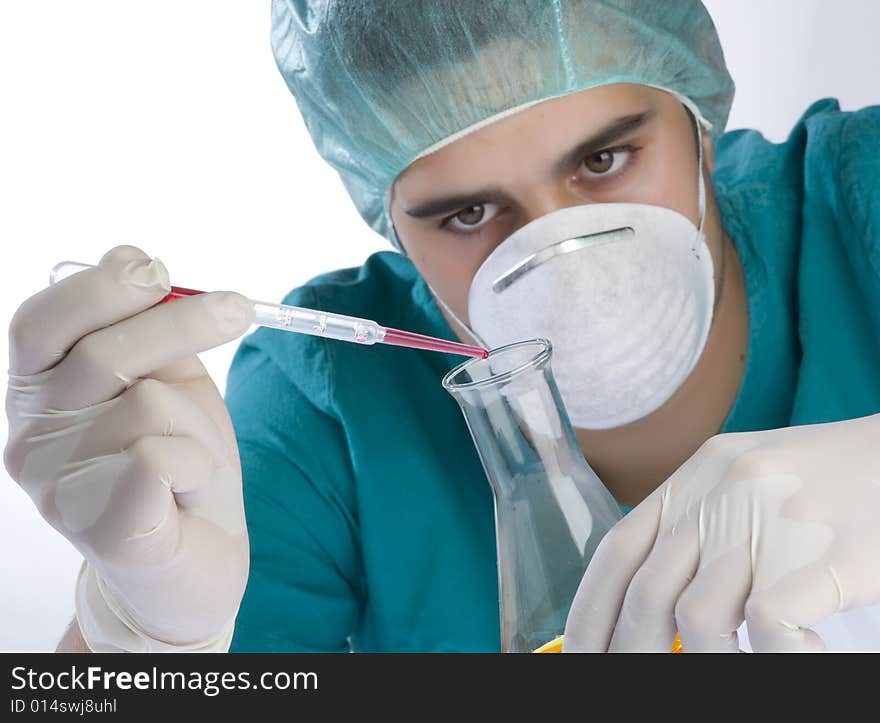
[(120, 437), (779, 529)]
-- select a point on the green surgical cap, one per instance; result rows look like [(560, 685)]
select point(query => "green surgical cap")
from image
[(381, 82)]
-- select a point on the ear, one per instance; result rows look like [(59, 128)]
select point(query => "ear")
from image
[(708, 152)]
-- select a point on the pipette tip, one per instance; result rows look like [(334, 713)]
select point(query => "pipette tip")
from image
[(421, 341)]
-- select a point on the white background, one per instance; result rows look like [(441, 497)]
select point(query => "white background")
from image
[(166, 125)]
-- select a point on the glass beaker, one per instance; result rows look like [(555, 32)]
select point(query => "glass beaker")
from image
[(551, 509)]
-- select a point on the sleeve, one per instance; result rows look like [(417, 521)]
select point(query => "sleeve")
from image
[(842, 193), (306, 585), (858, 178)]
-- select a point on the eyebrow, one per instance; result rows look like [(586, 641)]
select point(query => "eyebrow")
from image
[(611, 133)]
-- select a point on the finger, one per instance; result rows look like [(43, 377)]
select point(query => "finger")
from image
[(101, 500), (152, 405), (180, 464), (123, 252), (600, 595), (150, 408), (710, 610), (779, 618), (189, 377), (204, 393), (49, 323), (647, 618), (695, 480), (105, 362), (187, 369), (135, 511), (597, 604), (50, 440)]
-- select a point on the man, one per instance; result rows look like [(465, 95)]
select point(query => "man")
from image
[(717, 360), (455, 125)]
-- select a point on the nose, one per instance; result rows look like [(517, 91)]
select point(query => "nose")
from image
[(544, 200)]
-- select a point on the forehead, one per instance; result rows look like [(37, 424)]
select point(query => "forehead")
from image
[(540, 130)]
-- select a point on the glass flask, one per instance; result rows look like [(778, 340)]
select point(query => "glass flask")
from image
[(551, 509)]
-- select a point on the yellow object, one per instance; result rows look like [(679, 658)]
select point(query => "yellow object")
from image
[(555, 645)]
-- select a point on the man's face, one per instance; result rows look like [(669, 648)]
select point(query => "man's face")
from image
[(616, 143)]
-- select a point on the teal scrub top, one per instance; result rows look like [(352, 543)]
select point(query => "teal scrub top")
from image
[(370, 518)]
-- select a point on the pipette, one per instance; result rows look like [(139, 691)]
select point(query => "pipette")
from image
[(313, 321)]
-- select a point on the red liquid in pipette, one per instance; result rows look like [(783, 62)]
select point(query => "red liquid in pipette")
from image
[(420, 341), (397, 337)]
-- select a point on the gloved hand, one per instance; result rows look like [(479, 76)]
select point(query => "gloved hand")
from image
[(120, 437), (779, 528)]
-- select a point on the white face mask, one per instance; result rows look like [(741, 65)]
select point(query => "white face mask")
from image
[(624, 292)]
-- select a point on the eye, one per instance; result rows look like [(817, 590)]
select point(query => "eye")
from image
[(472, 217), (606, 163)]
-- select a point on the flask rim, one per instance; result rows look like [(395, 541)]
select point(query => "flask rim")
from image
[(544, 353)]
